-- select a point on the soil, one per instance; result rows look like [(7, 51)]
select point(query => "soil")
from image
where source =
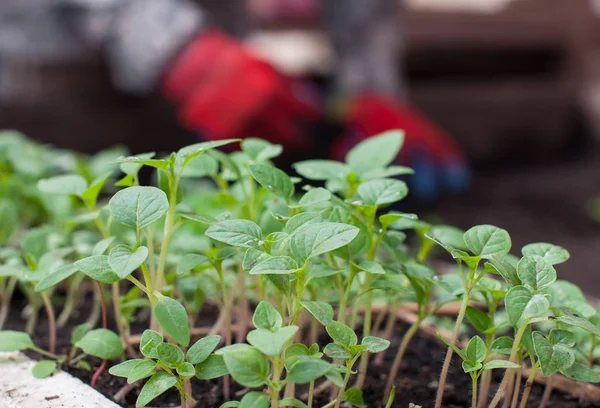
[(417, 382)]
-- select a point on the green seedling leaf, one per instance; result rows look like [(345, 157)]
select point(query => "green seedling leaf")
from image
[(172, 317), (132, 165), (260, 150), (581, 323), (276, 265), (188, 153), (391, 171), (579, 372), (553, 358), (521, 304), (155, 386), (249, 367), (138, 207), (560, 336), (504, 267), (90, 195), (321, 169), (239, 233), (254, 399), (124, 261), (169, 354), (493, 364), (97, 268), (552, 254), (380, 192), (469, 366), (202, 219), (43, 369), (502, 345), (318, 238), (203, 348), (341, 334), (101, 247), (190, 262), (371, 267), (313, 196), (305, 371), (321, 311), (79, 332), (55, 277), (487, 240), (375, 152), (230, 404), (271, 343), (292, 402), (11, 340), (142, 369), (273, 179), (476, 350), (535, 273), (354, 396), (478, 319), (335, 377), (123, 369), (266, 317), (299, 220), (186, 370), (335, 352), (252, 257), (101, 343), (213, 367), (9, 220), (388, 219), (69, 184), (201, 166), (149, 342), (457, 350), (375, 344)]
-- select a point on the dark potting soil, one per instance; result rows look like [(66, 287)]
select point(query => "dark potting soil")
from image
[(416, 383)]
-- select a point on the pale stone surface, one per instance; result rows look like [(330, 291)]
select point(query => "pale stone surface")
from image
[(18, 388)]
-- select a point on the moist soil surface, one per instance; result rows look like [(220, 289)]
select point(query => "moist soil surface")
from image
[(416, 382)]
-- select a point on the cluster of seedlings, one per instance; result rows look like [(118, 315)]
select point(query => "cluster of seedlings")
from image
[(287, 263)]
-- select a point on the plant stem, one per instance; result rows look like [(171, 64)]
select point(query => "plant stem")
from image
[(508, 374), (398, 359), (529, 384), (389, 329), (276, 378), (311, 391), (547, 393), (51, 322), (364, 358), (139, 284), (72, 300), (95, 312), (104, 325), (448, 359), (299, 292), (344, 302), (473, 391), (515, 399), (340, 395), (44, 352), (6, 298)]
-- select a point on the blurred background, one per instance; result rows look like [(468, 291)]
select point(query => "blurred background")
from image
[(516, 83)]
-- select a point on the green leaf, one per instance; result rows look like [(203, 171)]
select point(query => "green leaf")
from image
[(213, 367), (155, 386), (292, 402), (9, 221), (535, 273), (240, 233), (299, 220), (101, 343), (476, 350), (379, 192), (123, 260), (266, 317), (55, 277), (493, 364), (314, 195), (321, 169), (375, 152), (190, 262), (254, 399), (273, 179), (375, 344), (90, 195), (581, 323), (321, 311), (305, 371), (186, 370), (335, 351), (249, 367), (260, 150), (132, 165), (271, 343), (97, 268), (43, 368), (101, 247), (505, 268), (79, 332), (149, 342), (142, 369), (521, 304), (123, 369), (354, 396), (138, 207), (69, 184), (458, 351), (169, 354), (471, 366), (487, 241), (341, 334), (579, 372), (275, 265), (172, 317), (552, 254), (186, 154), (371, 267), (478, 319), (201, 349), (503, 345), (388, 219), (230, 404), (318, 238), (560, 336), (335, 377), (552, 358)]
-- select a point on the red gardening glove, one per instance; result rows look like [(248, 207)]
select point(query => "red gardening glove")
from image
[(437, 160), (222, 91)]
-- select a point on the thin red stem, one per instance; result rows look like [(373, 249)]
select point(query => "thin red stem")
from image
[(97, 373), (104, 324)]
